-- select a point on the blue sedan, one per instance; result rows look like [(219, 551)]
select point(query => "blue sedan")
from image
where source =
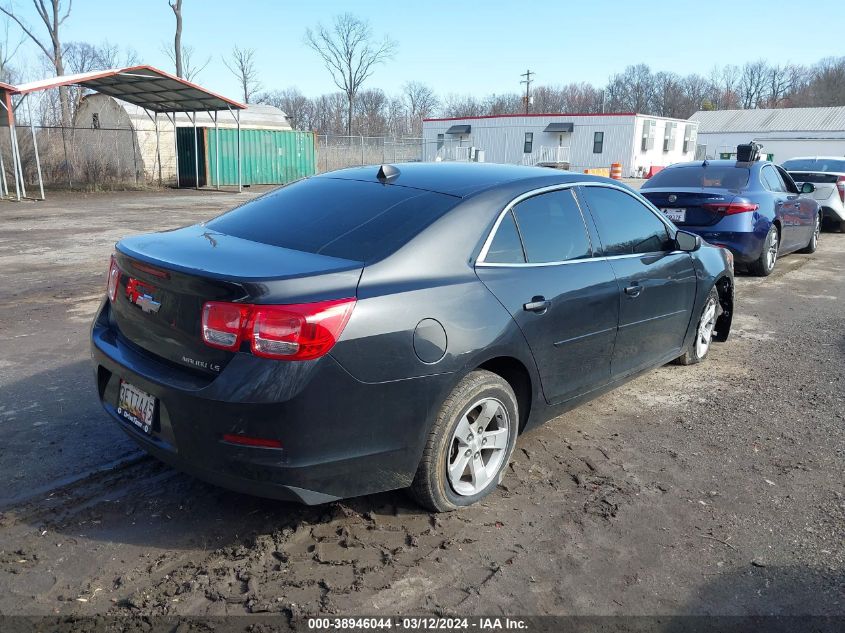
[(754, 209)]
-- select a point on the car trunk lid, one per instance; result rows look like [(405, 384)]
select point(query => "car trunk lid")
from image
[(166, 278), (690, 206)]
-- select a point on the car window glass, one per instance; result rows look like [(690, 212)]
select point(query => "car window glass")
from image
[(815, 164), (786, 180), (552, 228), (771, 180), (506, 247), (351, 219), (700, 175), (626, 225)]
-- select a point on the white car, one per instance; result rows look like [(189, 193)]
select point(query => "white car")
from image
[(827, 173)]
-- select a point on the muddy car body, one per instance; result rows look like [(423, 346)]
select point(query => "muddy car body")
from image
[(380, 328)]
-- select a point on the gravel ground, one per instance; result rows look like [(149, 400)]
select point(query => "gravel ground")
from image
[(712, 489)]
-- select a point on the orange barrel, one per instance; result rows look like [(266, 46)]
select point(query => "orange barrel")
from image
[(616, 171)]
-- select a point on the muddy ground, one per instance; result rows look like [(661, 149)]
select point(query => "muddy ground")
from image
[(712, 489)]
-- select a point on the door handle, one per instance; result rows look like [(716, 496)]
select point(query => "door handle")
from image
[(537, 304), (634, 290)]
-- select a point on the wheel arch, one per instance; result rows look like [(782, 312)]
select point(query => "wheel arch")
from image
[(514, 371), (725, 288)]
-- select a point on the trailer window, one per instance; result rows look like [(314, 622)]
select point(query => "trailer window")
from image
[(598, 142), (528, 147)]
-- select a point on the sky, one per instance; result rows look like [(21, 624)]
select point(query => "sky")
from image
[(459, 47)]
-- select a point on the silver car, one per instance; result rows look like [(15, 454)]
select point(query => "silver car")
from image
[(827, 173)]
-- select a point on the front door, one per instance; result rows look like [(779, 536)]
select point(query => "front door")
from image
[(564, 300), (656, 284)]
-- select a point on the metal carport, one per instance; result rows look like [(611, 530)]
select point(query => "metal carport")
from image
[(154, 90)]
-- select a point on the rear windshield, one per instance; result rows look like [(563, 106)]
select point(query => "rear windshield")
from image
[(361, 221), (816, 164), (698, 176)]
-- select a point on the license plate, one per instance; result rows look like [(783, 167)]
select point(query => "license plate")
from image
[(676, 215), (137, 406)]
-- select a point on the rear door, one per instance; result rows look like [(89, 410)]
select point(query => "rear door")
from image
[(787, 207), (656, 284), (540, 265), (804, 210)]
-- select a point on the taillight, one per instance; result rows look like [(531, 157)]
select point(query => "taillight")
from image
[(301, 331), (223, 324), (731, 208), (114, 279), (840, 184)]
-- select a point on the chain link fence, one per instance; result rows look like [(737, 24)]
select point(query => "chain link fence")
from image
[(87, 158), (337, 152), (113, 158)]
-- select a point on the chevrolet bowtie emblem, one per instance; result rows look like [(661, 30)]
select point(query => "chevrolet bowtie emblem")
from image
[(147, 303)]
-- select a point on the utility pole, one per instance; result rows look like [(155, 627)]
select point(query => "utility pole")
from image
[(527, 81)]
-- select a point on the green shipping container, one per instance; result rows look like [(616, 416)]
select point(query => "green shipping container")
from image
[(268, 157)]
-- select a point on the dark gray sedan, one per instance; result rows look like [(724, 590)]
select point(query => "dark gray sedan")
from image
[(381, 327)]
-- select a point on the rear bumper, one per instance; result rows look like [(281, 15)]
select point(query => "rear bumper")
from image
[(746, 247), (340, 437), (742, 234)]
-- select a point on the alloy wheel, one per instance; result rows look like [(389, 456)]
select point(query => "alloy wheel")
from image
[(478, 446), (772, 252), (705, 328)]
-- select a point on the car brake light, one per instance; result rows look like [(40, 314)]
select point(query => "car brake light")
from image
[(223, 324), (113, 280), (302, 331), (731, 208), (840, 184)]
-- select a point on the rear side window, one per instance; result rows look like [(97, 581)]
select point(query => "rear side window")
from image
[(506, 247), (350, 219), (626, 225), (699, 177), (771, 180), (552, 228)]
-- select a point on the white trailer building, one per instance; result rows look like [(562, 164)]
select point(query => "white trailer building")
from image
[(784, 133), (567, 141)]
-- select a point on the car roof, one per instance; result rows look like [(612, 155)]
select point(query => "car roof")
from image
[(460, 179)]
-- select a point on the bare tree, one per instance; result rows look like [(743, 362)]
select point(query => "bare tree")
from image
[(752, 83), (826, 86), (293, 103), (53, 16), (421, 103), (461, 106), (176, 5), (242, 66), (349, 54), (190, 68), (8, 48)]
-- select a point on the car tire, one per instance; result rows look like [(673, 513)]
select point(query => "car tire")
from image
[(456, 469), (814, 240), (765, 264), (699, 346)]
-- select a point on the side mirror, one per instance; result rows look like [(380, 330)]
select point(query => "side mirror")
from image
[(687, 241), (808, 187)]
